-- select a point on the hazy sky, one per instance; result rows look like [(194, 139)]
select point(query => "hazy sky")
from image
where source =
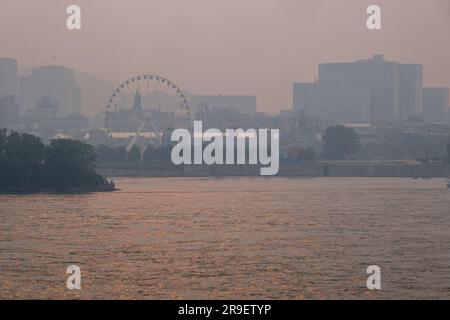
[(256, 47)]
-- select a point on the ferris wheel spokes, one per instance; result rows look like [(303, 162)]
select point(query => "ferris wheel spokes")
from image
[(145, 106)]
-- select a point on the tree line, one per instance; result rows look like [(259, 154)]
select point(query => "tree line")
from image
[(342, 143), (27, 164), (135, 154), (339, 143)]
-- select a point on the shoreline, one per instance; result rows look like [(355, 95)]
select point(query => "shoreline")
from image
[(306, 169), (31, 191)]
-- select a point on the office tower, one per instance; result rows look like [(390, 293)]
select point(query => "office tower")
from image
[(8, 77), (410, 91), (9, 111), (55, 82), (381, 77), (334, 104), (435, 104)]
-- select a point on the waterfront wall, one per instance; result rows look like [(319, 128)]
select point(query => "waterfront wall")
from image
[(307, 169)]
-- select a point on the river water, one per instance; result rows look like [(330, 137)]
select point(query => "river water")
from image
[(241, 238)]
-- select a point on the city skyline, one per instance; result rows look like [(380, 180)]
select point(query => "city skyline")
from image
[(409, 93), (250, 48), (223, 153)]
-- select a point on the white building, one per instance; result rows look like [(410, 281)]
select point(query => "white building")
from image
[(8, 77), (56, 82), (435, 104), (334, 104)]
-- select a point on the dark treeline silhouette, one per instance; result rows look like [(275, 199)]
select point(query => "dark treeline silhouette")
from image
[(340, 142), (120, 154), (394, 145), (448, 150), (300, 154), (159, 154), (28, 165)]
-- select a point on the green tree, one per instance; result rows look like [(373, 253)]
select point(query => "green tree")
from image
[(70, 164), (105, 153), (23, 157), (134, 154), (448, 150), (163, 153), (340, 142), (26, 164), (149, 154), (120, 154), (309, 154), (3, 144), (3, 141)]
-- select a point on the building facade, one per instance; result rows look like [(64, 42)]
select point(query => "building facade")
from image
[(410, 90), (381, 77), (390, 90), (334, 104), (8, 77), (435, 104), (56, 82), (9, 112)]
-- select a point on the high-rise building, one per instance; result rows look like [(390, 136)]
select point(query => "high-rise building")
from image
[(55, 82), (9, 111), (410, 91), (435, 104), (334, 104), (395, 91), (8, 77), (381, 77)]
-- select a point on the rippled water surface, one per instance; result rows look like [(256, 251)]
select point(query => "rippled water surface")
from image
[(230, 238)]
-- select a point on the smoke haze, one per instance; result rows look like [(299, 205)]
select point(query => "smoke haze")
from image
[(256, 47)]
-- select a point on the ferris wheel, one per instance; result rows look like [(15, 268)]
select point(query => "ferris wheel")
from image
[(146, 105)]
